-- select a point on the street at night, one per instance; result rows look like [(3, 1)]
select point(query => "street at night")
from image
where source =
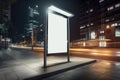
[(59, 39), (101, 70), (97, 53)]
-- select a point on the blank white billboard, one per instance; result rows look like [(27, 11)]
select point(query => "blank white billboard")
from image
[(57, 33)]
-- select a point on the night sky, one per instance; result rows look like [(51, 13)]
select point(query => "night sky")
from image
[(20, 13)]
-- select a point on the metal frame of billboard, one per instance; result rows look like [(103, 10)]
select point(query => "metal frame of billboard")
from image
[(46, 34)]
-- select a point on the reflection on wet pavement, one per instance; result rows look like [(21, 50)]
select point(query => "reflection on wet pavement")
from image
[(102, 70), (99, 51)]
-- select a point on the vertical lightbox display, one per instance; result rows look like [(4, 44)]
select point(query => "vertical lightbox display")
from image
[(57, 33)]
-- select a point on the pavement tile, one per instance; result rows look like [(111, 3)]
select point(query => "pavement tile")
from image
[(11, 76), (33, 65), (22, 74), (2, 77), (4, 70)]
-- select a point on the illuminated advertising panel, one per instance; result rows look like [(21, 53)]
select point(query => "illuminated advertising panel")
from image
[(57, 33)]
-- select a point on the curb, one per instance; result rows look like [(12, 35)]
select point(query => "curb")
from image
[(59, 71)]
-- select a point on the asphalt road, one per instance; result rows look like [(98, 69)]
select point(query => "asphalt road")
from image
[(112, 54)]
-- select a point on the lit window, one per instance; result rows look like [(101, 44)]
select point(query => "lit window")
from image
[(107, 20), (117, 32), (100, 1), (92, 24), (110, 8), (92, 35), (88, 25), (91, 10), (81, 27), (86, 11), (114, 24), (36, 12), (36, 6), (117, 5), (101, 37), (101, 31), (102, 43)]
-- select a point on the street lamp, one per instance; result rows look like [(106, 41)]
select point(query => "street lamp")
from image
[(108, 27)]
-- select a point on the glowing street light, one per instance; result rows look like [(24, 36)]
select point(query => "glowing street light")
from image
[(108, 27)]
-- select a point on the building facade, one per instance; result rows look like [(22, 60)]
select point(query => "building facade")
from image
[(5, 17), (100, 23), (5, 10), (35, 28)]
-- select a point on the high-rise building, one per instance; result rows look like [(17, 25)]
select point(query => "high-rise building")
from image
[(99, 23), (5, 18), (34, 23), (5, 11)]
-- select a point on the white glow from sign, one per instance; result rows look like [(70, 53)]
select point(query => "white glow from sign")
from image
[(57, 33), (53, 8)]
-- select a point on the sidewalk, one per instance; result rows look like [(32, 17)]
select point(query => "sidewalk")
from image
[(32, 69)]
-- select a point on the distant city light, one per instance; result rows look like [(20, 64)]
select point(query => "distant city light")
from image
[(107, 20), (108, 27), (41, 29), (91, 10), (101, 31), (81, 27), (100, 1), (88, 25), (53, 8), (92, 35), (110, 8), (92, 24), (36, 6), (117, 5), (114, 24)]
